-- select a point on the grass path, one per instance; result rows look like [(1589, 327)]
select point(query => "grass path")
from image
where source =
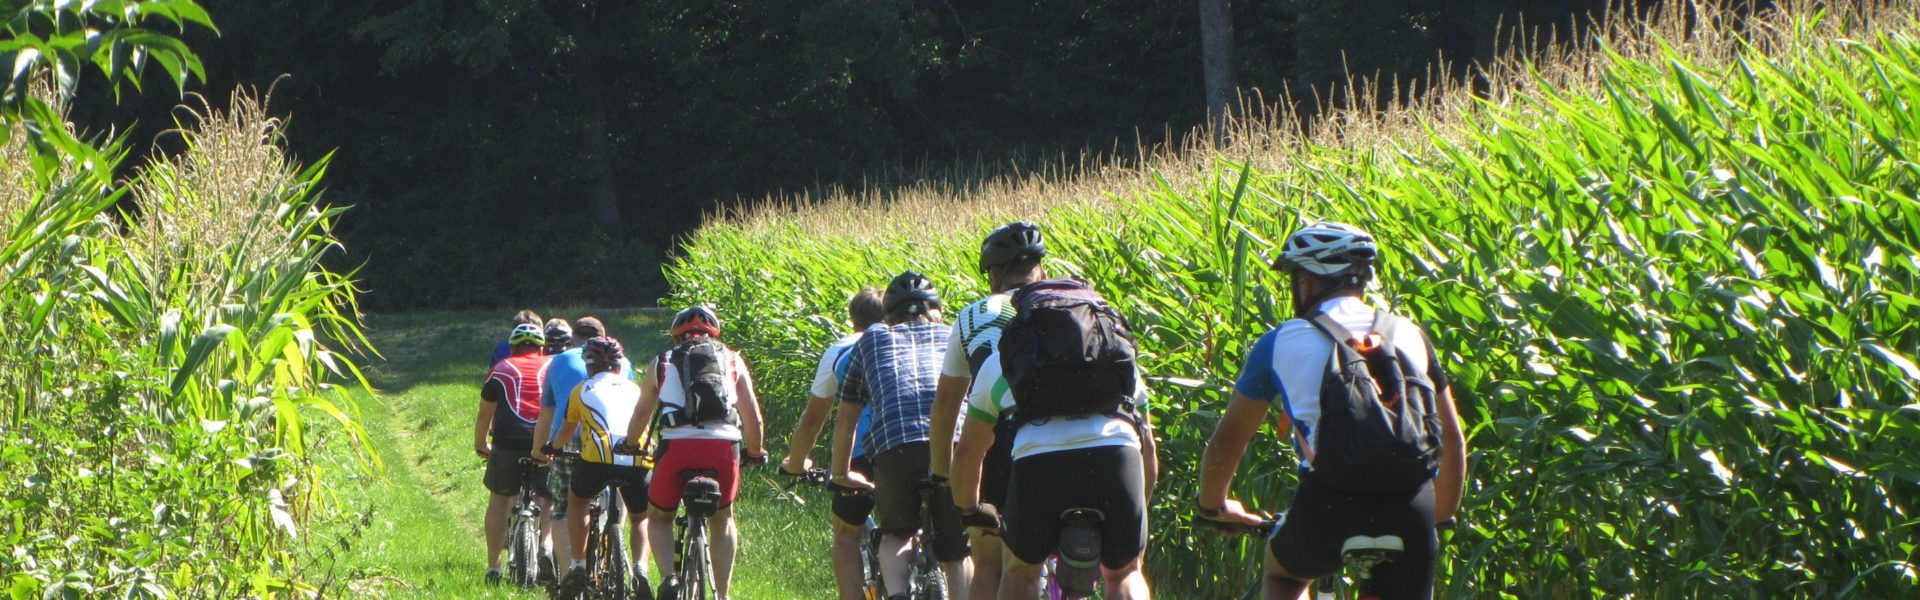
[(422, 537)]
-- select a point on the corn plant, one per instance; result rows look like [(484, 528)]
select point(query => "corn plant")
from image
[(1672, 278)]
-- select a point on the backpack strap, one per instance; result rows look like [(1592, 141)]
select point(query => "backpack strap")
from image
[(1325, 323)]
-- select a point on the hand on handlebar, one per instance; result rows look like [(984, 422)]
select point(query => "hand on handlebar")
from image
[(544, 454), (984, 516), (1233, 518), (627, 447), (748, 459)]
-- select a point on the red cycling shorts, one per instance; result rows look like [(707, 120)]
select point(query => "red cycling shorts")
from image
[(679, 456)]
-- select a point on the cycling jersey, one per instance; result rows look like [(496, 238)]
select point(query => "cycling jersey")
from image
[(565, 371), (827, 378), (1289, 362), (976, 333), (603, 405), (896, 367), (514, 388), (991, 396), (673, 396)]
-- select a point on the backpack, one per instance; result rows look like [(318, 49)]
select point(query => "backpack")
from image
[(1378, 433), (702, 363), (1066, 352)]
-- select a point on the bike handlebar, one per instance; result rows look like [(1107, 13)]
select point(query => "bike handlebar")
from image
[(818, 476)]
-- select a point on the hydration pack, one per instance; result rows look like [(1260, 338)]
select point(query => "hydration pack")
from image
[(1066, 352), (1378, 432), (702, 363)]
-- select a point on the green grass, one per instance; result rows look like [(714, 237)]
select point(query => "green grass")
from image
[(423, 537)]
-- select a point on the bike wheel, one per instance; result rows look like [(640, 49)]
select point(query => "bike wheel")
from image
[(611, 572), (929, 580), (529, 550), (696, 574)]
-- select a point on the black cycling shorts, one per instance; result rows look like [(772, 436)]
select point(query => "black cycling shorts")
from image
[(1109, 479), (899, 473), (505, 473), (853, 509), (997, 469), (1307, 543), (590, 478)]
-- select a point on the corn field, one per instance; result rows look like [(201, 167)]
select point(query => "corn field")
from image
[(1672, 273)]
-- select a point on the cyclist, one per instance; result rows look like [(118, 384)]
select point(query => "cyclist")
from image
[(510, 403), (505, 348), (1330, 265), (559, 336), (850, 511), (690, 441), (1110, 460), (1010, 257), (892, 371), (565, 371), (605, 404)]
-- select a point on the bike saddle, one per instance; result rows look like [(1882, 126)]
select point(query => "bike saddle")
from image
[(1363, 543), (701, 496), (1073, 516)]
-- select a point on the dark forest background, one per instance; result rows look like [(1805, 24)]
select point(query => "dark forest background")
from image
[(509, 152)]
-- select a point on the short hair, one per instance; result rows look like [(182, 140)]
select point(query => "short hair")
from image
[(1019, 266), (526, 316), (865, 308)]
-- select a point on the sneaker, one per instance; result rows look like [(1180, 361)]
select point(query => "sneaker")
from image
[(493, 578), (669, 589), (575, 583), (547, 569), (641, 589)]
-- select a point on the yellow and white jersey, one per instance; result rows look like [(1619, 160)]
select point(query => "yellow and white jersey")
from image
[(603, 404)]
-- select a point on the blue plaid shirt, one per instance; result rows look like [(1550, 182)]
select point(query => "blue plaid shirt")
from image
[(896, 367)]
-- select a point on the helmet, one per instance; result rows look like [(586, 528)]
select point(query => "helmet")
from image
[(1329, 249), (1011, 243), (910, 287), (558, 332), (526, 334), (696, 319), (602, 351)]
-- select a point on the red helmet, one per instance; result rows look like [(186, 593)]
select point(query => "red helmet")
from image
[(698, 319)]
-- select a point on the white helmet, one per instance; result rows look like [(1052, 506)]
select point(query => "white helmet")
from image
[(1330, 250)]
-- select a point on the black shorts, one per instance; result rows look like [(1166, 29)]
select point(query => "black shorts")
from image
[(1109, 479), (853, 509), (505, 473), (1307, 543), (899, 474), (997, 469), (590, 478)]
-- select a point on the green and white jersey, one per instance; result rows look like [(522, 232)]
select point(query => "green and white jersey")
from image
[(976, 334), (991, 396)]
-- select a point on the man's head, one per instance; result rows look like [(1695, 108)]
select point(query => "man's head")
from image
[(694, 321), (526, 316), (866, 308), (1326, 259), (586, 328), (1011, 255), (526, 335), (559, 335), (602, 355), (911, 297)]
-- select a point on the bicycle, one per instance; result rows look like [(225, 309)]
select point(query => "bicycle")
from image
[(523, 532), (607, 559), (875, 587), (926, 580), (1358, 556), (692, 566)]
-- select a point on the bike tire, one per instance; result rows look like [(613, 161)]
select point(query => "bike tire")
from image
[(928, 580), (516, 550), (612, 572)]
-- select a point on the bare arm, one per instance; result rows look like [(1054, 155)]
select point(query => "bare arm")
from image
[(643, 410), (947, 397), (976, 436), (1224, 451), (750, 428), (1149, 452), (482, 425), (541, 426), (846, 427), (1449, 486), (805, 434)]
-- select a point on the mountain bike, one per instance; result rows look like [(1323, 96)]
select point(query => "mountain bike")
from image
[(523, 531), (607, 559), (926, 580), (875, 587)]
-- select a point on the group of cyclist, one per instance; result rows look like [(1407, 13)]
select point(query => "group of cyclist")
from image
[(951, 434)]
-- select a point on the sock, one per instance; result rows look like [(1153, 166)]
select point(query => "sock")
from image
[(576, 564), (640, 568)]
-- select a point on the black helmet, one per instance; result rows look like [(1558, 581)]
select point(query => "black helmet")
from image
[(910, 287), (1011, 243)]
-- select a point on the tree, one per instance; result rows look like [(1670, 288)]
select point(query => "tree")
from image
[(1216, 60)]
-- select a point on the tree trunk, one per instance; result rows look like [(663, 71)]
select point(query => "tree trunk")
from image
[(1216, 62)]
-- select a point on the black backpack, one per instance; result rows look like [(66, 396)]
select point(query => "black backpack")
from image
[(1378, 432), (1066, 352), (702, 364)]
